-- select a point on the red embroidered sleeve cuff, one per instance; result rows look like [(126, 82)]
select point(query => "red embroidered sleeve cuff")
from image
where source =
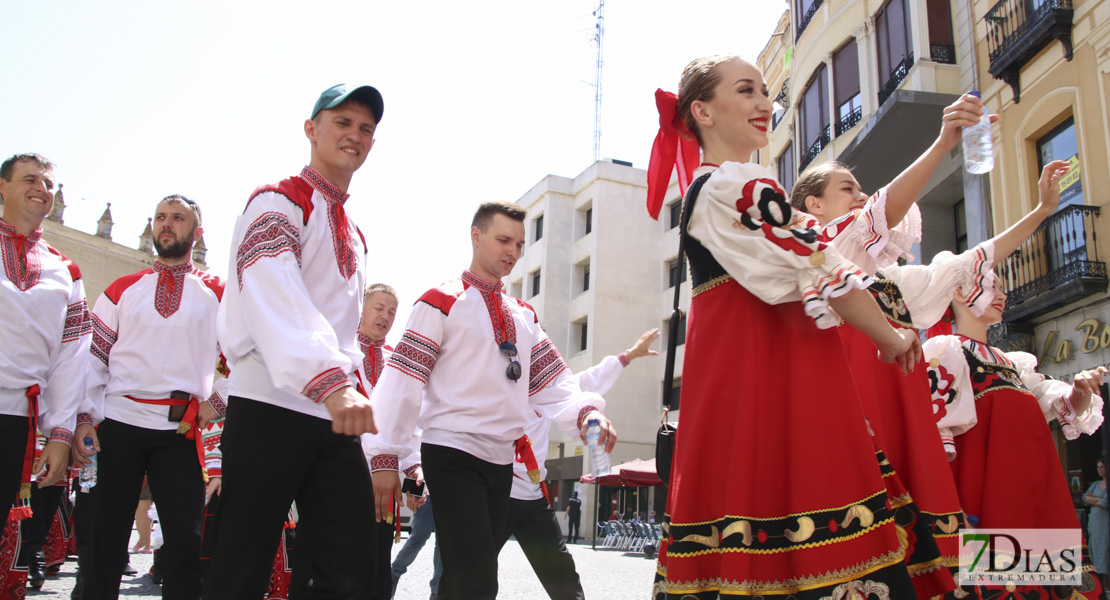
[(215, 472), (84, 419), (582, 414), (383, 462), (59, 434), (623, 359), (325, 383), (409, 471), (217, 403)]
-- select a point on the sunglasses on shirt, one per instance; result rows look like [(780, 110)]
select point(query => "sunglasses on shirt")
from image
[(513, 370)]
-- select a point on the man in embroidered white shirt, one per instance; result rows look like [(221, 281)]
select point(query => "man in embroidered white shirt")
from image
[(288, 330), (44, 328), (151, 368), (471, 368)]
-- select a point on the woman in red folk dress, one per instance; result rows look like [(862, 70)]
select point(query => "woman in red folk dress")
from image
[(775, 491), (993, 409), (873, 233)]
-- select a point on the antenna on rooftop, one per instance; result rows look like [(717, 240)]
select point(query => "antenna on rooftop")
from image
[(599, 39)]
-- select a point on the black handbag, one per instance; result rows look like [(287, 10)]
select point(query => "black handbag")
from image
[(665, 437)]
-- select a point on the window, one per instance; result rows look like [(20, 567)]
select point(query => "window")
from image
[(814, 110), (846, 91), (786, 169), (942, 45), (676, 212), (586, 278), (536, 283), (589, 220), (805, 10), (892, 33), (960, 217), (516, 289), (676, 273), (1061, 144), (539, 228), (583, 331), (676, 393)]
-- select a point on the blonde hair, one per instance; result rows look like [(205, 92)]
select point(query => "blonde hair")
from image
[(699, 82), (813, 183), (374, 288)]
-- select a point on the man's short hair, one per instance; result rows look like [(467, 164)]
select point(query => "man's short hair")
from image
[(374, 288), (8, 166), (193, 206), (486, 211)]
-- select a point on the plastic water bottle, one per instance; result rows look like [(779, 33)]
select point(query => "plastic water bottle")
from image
[(978, 148), (88, 472), (598, 456)]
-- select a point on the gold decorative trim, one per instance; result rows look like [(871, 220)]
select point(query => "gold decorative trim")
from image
[(784, 517), (715, 549), (790, 586), (708, 285)]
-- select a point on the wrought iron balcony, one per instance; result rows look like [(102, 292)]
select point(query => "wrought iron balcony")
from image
[(897, 75), (814, 149), (806, 18), (849, 120), (1058, 264), (943, 53), (1018, 29)]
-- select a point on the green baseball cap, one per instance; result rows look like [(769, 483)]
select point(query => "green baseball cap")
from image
[(364, 94)]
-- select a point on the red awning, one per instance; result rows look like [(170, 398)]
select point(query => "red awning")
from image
[(635, 473)]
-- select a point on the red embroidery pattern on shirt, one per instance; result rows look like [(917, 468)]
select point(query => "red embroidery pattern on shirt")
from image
[(84, 419), (270, 235), (21, 256), (77, 322), (504, 327), (217, 403), (345, 251), (546, 365), (383, 462), (171, 282), (586, 410), (59, 434), (415, 356), (103, 338), (374, 362), (324, 384)]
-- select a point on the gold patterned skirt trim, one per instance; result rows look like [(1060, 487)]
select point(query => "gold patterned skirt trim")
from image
[(793, 548), (783, 517), (708, 285), (936, 564), (790, 586)]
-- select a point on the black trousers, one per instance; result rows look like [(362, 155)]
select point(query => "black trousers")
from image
[(536, 529), (383, 575), (170, 463), (13, 446), (574, 523), (271, 457), (44, 506), (469, 519)]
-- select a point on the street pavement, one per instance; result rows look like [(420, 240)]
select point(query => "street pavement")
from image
[(608, 574)]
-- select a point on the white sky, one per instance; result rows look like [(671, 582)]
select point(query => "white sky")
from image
[(137, 100)]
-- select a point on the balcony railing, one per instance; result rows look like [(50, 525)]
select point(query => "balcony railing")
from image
[(897, 75), (943, 53), (1056, 265), (776, 118), (814, 149), (1018, 29), (849, 120), (806, 18)]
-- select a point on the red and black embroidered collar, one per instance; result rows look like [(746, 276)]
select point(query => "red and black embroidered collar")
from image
[(326, 188), (374, 361), (345, 252), (502, 320), (171, 282), (20, 256)]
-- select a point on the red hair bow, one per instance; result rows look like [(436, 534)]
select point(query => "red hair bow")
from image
[(674, 145)]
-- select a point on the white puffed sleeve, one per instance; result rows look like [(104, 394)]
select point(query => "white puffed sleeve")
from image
[(742, 217), (1052, 395), (950, 386), (928, 289), (863, 237)]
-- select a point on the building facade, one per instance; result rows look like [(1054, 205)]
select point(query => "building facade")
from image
[(600, 272)]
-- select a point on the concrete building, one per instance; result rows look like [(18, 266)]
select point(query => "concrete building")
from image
[(598, 271)]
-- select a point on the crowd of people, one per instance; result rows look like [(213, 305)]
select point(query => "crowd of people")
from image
[(824, 451)]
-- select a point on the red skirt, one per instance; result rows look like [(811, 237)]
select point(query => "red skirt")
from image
[(775, 487), (900, 412), (1008, 474)]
